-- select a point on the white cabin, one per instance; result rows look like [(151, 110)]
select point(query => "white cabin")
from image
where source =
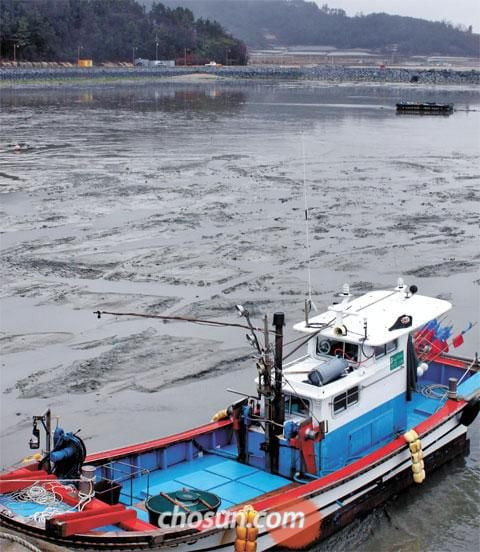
[(353, 380)]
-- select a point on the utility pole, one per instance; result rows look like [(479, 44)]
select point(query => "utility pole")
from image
[(185, 57), (394, 51), (134, 49), (156, 46), (16, 45)]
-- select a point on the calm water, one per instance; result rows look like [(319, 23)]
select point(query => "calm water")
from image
[(188, 199)]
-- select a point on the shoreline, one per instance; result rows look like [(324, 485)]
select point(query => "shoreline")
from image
[(33, 78)]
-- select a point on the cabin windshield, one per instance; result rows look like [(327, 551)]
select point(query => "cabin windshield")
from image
[(336, 348), (383, 350), (297, 406)]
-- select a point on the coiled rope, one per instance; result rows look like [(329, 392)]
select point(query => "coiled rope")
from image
[(35, 493), (19, 540), (434, 391), (53, 502)]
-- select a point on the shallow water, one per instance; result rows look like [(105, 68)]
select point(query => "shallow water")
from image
[(189, 199)]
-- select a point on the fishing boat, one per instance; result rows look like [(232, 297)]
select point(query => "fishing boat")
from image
[(374, 405), (425, 108)]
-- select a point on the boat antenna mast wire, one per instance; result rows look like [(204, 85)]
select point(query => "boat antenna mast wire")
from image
[(308, 301)]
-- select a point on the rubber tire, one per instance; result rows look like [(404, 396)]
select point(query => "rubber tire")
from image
[(470, 412)]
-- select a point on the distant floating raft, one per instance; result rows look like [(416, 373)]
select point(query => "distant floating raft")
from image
[(425, 108)]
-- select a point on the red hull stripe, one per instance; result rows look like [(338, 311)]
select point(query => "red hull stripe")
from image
[(436, 419), (283, 499), (17, 474), (137, 525), (157, 443), (15, 484), (448, 360)]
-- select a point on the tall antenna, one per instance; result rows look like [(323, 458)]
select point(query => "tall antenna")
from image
[(307, 234)]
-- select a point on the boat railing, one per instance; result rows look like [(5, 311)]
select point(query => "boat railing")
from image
[(473, 365), (296, 361), (119, 472)]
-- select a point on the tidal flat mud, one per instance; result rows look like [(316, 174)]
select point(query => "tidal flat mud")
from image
[(187, 199)]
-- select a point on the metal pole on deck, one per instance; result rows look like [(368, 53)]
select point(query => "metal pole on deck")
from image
[(48, 430), (278, 416), (279, 322), (266, 389)]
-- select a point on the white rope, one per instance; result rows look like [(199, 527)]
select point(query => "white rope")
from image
[(53, 502), (472, 364), (85, 498), (48, 513), (434, 391), (19, 540), (35, 493)]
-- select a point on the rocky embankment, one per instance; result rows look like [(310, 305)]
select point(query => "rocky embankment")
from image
[(21, 75)]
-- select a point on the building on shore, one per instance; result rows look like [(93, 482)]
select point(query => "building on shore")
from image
[(140, 62), (327, 55)]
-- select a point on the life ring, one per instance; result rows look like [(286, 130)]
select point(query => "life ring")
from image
[(469, 413)]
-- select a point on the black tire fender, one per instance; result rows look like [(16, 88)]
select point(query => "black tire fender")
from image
[(469, 413)]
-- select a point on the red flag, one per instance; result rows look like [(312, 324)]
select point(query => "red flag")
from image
[(457, 341), (439, 347)]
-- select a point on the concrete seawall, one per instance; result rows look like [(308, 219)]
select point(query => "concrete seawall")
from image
[(19, 76)]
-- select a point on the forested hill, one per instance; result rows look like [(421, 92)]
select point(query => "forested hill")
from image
[(262, 23), (110, 30)]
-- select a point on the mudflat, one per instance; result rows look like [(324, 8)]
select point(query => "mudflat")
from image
[(188, 198)]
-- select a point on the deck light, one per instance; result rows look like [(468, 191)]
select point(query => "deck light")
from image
[(241, 310)]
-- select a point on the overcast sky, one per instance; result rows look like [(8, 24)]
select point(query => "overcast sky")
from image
[(466, 12)]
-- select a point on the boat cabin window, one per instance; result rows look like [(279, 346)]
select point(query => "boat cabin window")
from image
[(333, 347), (386, 349), (298, 406), (344, 400)]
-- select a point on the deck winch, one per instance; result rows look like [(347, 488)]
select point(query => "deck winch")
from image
[(67, 456)]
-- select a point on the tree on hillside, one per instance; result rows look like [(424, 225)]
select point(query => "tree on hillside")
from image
[(297, 22), (108, 30)]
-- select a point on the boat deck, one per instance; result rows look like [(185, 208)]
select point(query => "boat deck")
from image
[(421, 407), (233, 482)]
